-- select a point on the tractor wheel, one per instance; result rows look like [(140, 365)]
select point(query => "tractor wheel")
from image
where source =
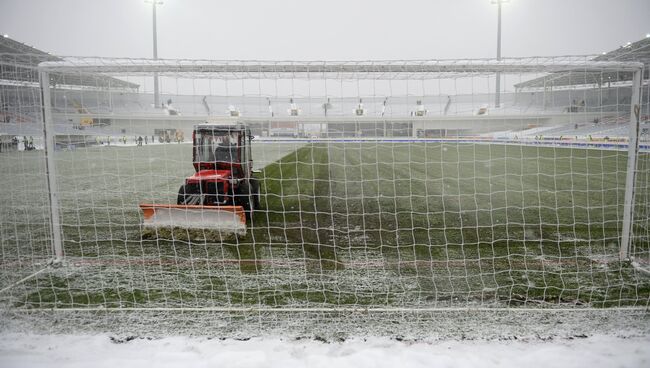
[(189, 195), (255, 192), (245, 198)]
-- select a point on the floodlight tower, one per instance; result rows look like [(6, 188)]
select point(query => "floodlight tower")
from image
[(497, 96), (156, 92)]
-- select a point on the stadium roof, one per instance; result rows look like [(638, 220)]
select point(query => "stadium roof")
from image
[(19, 64), (377, 69), (638, 51)]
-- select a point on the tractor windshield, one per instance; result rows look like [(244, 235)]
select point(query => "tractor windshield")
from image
[(217, 146)]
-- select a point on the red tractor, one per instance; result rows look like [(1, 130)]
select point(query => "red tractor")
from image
[(222, 192)]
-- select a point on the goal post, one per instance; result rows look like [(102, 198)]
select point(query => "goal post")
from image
[(386, 190), (633, 151), (352, 70), (50, 167)]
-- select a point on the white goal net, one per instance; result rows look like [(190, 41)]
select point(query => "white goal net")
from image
[(280, 196)]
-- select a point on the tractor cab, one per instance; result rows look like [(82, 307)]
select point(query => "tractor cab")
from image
[(222, 148)]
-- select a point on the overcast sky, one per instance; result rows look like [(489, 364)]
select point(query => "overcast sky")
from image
[(324, 30)]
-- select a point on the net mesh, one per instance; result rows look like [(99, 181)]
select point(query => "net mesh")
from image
[(390, 188)]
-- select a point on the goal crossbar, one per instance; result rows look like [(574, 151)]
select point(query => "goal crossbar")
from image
[(379, 69)]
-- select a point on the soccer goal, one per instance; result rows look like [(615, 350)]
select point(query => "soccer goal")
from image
[(294, 196)]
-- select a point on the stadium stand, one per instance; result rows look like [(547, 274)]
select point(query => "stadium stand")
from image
[(101, 98), (18, 63), (638, 51), (583, 92)]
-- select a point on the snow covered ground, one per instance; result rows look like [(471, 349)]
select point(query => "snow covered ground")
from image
[(21, 350)]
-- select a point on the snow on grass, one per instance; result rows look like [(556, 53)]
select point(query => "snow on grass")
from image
[(21, 350), (342, 224)]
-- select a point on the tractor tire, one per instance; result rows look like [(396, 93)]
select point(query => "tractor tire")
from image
[(189, 194), (255, 192), (244, 197)]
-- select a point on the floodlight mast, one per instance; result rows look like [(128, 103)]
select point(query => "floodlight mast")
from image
[(156, 91), (497, 95)]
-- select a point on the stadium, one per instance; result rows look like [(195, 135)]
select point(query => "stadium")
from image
[(393, 198)]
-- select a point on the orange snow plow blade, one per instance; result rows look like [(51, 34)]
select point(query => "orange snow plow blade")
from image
[(228, 219)]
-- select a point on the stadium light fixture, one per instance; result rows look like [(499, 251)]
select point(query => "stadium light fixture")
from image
[(497, 96), (156, 91), (5, 35)]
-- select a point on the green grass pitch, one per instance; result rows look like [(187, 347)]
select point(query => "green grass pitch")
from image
[(342, 224)]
